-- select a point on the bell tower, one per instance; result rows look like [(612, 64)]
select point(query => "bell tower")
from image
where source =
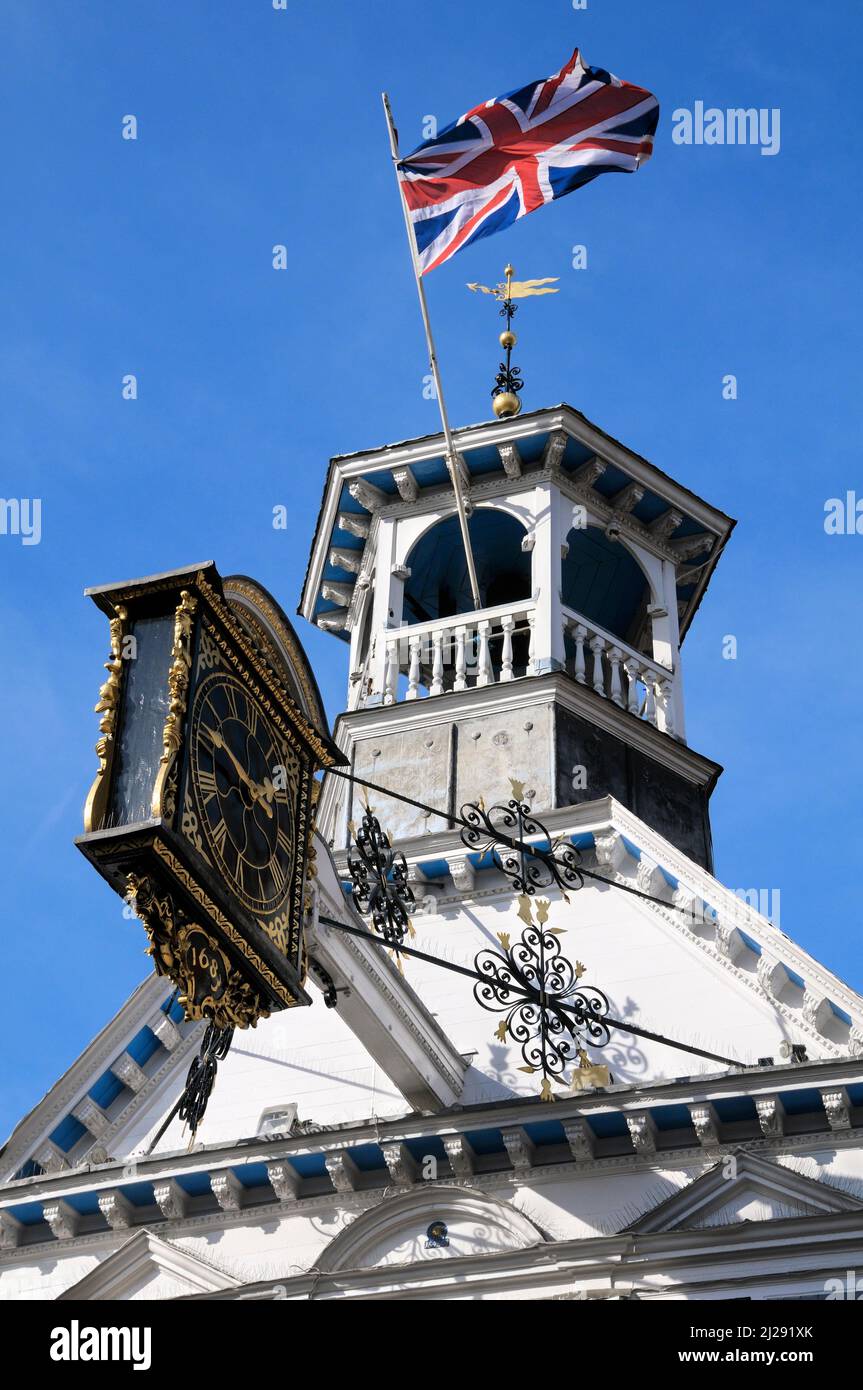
[(591, 565)]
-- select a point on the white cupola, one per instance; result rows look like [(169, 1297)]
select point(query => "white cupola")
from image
[(591, 564)]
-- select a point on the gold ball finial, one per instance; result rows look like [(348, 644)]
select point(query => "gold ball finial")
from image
[(508, 271), (506, 404), (508, 340)]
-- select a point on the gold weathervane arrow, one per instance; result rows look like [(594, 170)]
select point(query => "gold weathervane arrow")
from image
[(508, 382), (519, 289)]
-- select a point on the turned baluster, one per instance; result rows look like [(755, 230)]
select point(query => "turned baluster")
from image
[(507, 623), (631, 667), (597, 646), (484, 674), (392, 674), (460, 664), (666, 707), (437, 663), (414, 670), (532, 664), (649, 697), (615, 656), (579, 635)]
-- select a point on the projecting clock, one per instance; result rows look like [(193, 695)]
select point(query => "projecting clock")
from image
[(241, 769), (201, 812)]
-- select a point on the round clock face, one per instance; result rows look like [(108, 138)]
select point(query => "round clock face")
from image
[(246, 818)]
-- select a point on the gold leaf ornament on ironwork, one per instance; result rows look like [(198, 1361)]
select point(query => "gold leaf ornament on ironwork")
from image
[(524, 912)]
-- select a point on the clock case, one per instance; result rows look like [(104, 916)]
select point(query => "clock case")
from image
[(140, 825)]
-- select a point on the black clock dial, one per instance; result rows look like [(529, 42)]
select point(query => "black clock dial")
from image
[(244, 809)]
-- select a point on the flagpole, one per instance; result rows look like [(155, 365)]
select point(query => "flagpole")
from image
[(451, 460)]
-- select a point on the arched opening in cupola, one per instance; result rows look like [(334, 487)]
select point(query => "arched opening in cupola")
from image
[(439, 586), (602, 582), (452, 655)]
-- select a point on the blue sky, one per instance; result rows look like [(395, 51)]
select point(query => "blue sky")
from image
[(153, 257)]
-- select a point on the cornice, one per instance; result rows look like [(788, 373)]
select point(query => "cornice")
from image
[(505, 1184), (618, 1260), (526, 693), (716, 895), (518, 1111), (346, 467), (76, 1081)]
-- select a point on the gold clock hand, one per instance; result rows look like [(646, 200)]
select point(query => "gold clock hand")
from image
[(259, 793)]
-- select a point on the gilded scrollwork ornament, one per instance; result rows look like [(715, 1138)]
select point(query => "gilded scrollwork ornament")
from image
[(157, 913), (178, 690), (190, 826), (210, 986), (107, 706)]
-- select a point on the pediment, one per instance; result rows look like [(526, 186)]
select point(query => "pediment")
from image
[(146, 1267), (396, 1231), (744, 1187)]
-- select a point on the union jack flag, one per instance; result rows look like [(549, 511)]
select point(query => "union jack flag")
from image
[(514, 153)]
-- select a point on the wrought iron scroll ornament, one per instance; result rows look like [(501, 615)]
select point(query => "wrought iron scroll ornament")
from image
[(549, 1014), (379, 880), (202, 1075), (501, 830)]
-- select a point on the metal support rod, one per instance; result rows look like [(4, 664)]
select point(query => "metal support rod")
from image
[(451, 460), (511, 843), (535, 996)]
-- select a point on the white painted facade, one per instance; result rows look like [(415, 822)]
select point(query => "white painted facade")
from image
[(335, 1138)]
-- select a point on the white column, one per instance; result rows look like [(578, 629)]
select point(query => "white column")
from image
[(549, 533), (387, 591), (666, 645)]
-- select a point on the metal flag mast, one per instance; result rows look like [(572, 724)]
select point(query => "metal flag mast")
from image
[(451, 457)]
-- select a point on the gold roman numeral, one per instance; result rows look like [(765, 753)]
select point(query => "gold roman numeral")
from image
[(207, 783), (220, 833), (279, 875)]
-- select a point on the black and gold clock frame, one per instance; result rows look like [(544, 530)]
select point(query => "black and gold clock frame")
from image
[(201, 812)]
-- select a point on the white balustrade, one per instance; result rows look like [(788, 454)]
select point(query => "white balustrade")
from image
[(456, 653), (646, 687), (507, 643)]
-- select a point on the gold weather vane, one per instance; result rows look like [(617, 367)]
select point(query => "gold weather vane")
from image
[(508, 381)]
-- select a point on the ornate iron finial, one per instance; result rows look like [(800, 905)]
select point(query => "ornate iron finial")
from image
[(505, 833), (549, 1014), (508, 382), (379, 878)]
